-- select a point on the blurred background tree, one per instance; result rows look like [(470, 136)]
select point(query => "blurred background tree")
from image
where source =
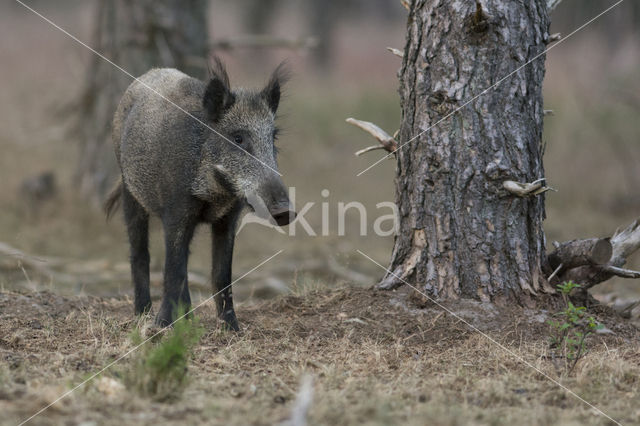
[(135, 35)]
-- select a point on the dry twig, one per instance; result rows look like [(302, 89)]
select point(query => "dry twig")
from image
[(388, 143), (396, 52)]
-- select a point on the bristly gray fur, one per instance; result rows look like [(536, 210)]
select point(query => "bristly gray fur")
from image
[(188, 168)]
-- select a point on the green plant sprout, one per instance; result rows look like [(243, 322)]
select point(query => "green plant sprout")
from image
[(160, 370), (570, 330)]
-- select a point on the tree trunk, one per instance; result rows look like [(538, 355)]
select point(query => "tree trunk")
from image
[(461, 234), (136, 36)]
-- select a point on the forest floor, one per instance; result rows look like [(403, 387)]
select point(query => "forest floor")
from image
[(373, 358)]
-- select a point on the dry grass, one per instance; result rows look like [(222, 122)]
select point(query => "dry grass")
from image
[(372, 362)]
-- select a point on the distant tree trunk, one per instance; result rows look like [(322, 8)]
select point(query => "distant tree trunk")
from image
[(323, 19), (136, 35), (461, 234), (258, 15)]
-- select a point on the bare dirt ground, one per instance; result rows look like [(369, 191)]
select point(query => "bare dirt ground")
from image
[(374, 357)]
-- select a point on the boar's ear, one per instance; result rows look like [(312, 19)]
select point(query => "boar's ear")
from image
[(217, 97), (271, 92)]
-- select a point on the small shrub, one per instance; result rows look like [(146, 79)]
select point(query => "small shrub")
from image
[(570, 330), (159, 371)]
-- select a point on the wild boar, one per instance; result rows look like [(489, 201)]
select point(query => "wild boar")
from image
[(193, 152)]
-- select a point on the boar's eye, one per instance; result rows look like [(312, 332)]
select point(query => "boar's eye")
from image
[(238, 139)]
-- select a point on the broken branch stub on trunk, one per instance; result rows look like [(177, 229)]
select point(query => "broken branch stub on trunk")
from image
[(552, 4), (387, 142), (554, 37), (396, 52), (526, 189)]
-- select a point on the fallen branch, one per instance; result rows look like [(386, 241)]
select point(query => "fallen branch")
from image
[(260, 41), (625, 311), (593, 251), (327, 266), (98, 272), (555, 272), (77, 272), (302, 403), (621, 272), (15, 259), (388, 143), (623, 244)]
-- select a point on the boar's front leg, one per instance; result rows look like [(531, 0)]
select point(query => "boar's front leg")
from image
[(137, 221), (222, 238), (177, 234)]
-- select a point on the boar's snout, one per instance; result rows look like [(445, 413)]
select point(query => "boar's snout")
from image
[(278, 204), (271, 202), (283, 216)]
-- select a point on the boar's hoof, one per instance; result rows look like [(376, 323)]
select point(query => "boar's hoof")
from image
[(142, 307), (162, 322), (230, 321), (167, 316), (163, 319)]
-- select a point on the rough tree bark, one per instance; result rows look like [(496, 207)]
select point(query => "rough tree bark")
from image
[(461, 233), (137, 36)]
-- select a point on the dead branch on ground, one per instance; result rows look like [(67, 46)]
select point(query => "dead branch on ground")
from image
[(259, 41), (100, 271), (583, 261), (571, 254)]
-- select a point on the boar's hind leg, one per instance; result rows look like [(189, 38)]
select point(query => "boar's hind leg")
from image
[(177, 235), (137, 221), (223, 236)]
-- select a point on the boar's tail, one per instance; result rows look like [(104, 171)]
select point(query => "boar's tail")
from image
[(114, 199)]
